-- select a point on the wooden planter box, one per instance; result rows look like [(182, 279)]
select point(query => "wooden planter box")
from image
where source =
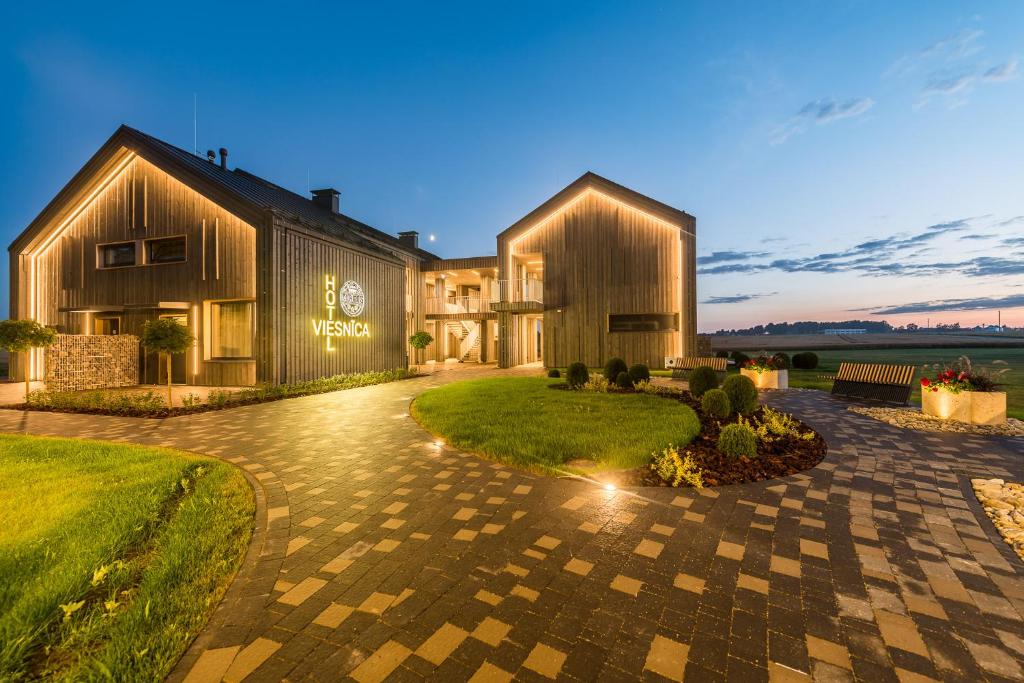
[(769, 379), (974, 407)]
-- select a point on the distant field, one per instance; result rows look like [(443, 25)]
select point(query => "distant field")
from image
[(813, 342), (1013, 381)]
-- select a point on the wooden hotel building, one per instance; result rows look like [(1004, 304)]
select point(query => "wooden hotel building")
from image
[(277, 287)]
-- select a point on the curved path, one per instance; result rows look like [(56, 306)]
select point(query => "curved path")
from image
[(380, 553)]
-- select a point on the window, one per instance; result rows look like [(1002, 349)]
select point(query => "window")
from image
[(642, 322), (165, 250), (232, 326), (117, 255)]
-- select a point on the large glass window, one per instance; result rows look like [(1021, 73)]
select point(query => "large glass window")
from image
[(165, 250), (642, 322), (117, 255), (232, 329)]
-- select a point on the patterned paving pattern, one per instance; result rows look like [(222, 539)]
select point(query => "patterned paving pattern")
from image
[(385, 555)]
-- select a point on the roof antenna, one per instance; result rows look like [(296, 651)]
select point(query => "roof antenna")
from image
[(195, 124)]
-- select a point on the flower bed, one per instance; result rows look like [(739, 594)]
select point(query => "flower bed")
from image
[(965, 394), (153, 404), (777, 455), (766, 372)]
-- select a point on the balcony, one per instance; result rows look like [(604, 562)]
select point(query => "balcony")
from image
[(458, 308), (520, 296)]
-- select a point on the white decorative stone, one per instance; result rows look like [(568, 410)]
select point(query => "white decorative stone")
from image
[(909, 418)]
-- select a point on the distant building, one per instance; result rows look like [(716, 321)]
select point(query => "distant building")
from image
[(837, 332)]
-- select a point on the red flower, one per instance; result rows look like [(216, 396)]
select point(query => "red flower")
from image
[(925, 382)]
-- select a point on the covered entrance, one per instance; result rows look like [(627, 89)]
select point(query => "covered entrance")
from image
[(156, 366)]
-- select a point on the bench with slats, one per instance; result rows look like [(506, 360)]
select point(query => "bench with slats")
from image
[(683, 366), (889, 383)]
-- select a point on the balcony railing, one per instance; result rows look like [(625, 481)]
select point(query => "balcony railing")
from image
[(457, 304), (521, 290)]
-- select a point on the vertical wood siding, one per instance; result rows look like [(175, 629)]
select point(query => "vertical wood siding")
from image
[(157, 205), (307, 259), (601, 258)]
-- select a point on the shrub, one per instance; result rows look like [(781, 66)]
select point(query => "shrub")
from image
[(737, 439), (715, 403), (613, 367), (702, 379), (721, 354), (742, 394), (577, 375), (774, 425), (598, 384), (739, 357), (623, 380), (806, 360), (639, 373), (554, 373), (782, 361), (676, 470)]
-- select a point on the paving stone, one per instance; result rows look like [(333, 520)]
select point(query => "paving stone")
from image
[(877, 564)]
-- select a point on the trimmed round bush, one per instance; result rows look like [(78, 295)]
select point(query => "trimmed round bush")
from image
[(613, 367), (715, 403), (554, 373), (782, 361), (737, 439), (702, 379), (623, 380), (739, 357), (639, 373), (742, 393), (806, 360), (577, 375)]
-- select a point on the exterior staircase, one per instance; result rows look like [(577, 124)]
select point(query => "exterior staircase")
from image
[(468, 334)]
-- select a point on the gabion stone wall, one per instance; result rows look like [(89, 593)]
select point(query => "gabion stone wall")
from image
[(98, 361)]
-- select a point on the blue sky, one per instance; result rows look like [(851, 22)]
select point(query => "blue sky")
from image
[(843, 159)]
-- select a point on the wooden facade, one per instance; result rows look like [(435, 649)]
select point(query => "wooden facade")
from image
[(236, 251), (596, 271), (606, 251)]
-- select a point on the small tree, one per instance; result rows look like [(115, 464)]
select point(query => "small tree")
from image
[(21, 336), (166, 337), (420, 341)]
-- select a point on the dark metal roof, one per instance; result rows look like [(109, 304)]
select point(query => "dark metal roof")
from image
[(267, 195)]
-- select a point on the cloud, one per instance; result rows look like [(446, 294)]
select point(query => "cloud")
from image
[(1009, 221), (962, 44), (894, 255), (941, 305), (735, 299), (722, 256), (820, 112), (1007, 71)]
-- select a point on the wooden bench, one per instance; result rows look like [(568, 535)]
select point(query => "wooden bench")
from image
[(682, 367), (889, 383)]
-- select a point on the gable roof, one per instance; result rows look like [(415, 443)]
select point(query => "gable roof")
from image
[(592, 181), (254, 196)]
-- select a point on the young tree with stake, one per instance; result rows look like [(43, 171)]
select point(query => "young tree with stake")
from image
[(166, 337), (21, 336)]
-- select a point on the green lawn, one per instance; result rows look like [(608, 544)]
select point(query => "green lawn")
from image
[(112, 557), (521, 421)]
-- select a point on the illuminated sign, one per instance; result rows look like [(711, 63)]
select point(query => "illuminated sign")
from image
[(352, 301)]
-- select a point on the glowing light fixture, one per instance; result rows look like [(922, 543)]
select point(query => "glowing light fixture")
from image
[(609, 487)]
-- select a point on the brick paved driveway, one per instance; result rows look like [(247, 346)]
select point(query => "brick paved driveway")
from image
[(383, 554)]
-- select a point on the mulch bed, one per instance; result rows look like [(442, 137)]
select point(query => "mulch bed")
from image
[(781, 458)]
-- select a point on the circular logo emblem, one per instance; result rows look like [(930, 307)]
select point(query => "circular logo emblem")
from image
[(352, 299)]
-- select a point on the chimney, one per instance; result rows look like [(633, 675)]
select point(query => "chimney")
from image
[(224, 158), (210, 156), (409, 238), (327, 198)]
